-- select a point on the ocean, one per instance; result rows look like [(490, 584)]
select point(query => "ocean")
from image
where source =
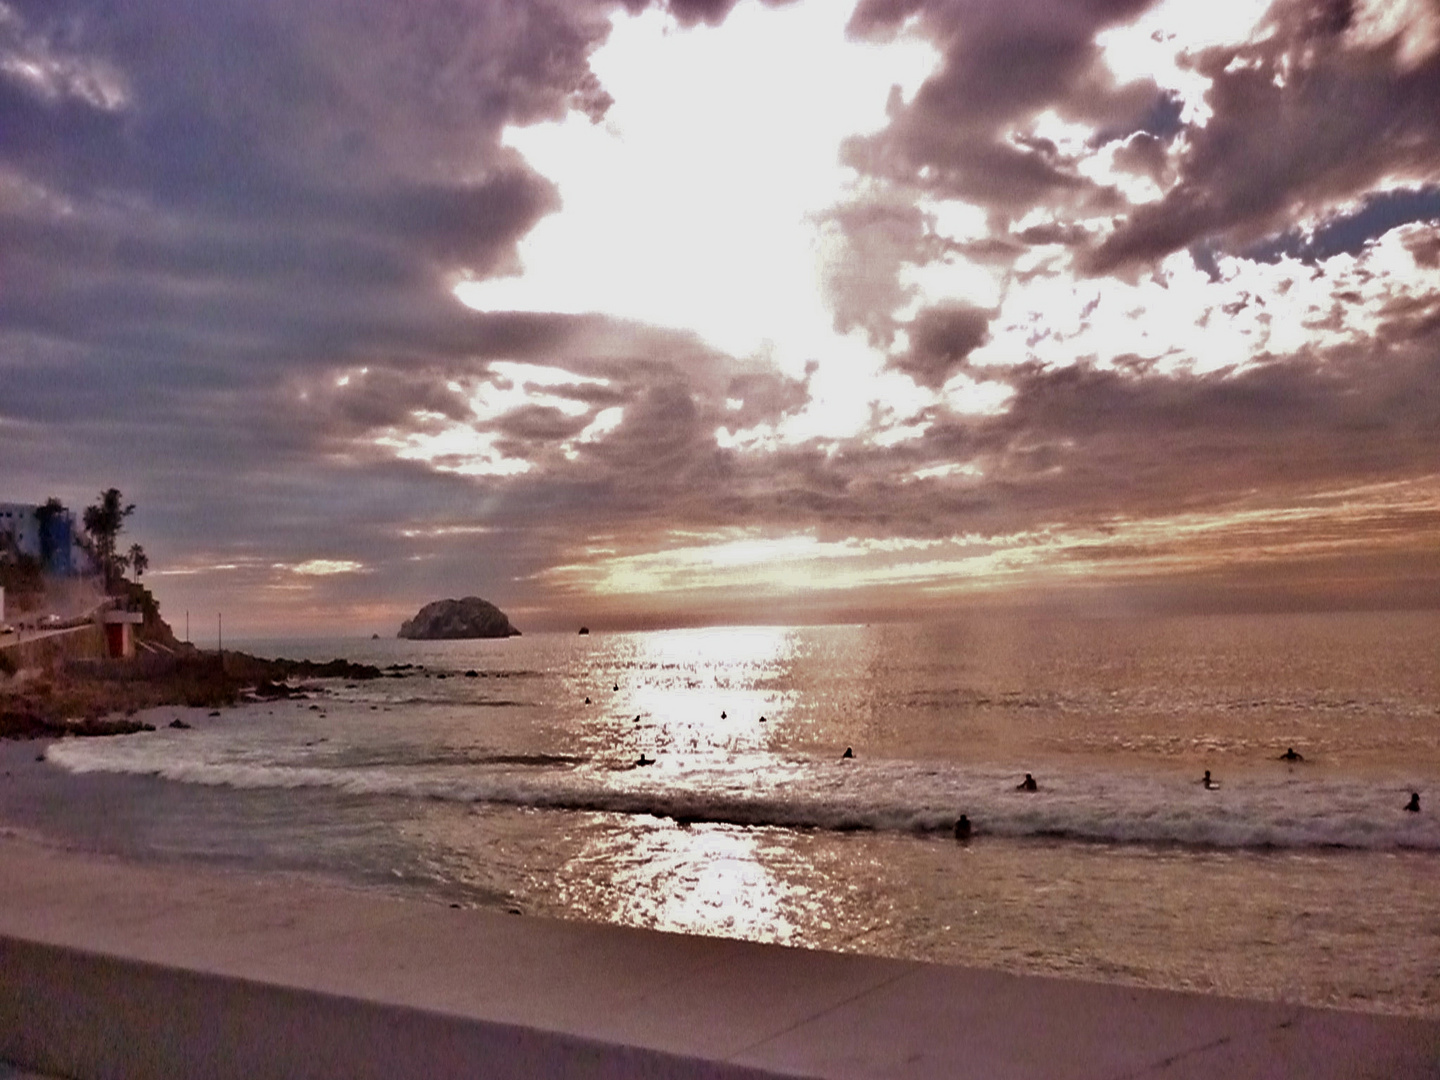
[(508, 773)]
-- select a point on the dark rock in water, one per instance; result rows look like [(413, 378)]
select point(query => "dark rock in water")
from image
[(374, 637), (215, 712), (472, 674), (269, 691), (584, 629), (471, 617), (99, 725), (181, 724)]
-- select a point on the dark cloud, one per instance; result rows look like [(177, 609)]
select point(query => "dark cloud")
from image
[(690, 12), (1302, 119), (966, 135), (963, 134), (941, 338)]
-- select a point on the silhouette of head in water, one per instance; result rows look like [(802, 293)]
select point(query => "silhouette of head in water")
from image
[(1028, 784), (962, 828), (848, 753), (1206, 780), (645, 760), (1414, 804), (1291, 755)]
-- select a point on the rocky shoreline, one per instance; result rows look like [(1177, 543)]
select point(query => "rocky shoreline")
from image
[(87, 700)]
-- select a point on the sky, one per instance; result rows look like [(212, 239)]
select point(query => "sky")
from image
[(621, 313)]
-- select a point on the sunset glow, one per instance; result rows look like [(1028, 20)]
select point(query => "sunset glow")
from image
[(694, 312)]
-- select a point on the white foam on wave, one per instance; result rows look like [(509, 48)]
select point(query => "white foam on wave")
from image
[(759, 789)]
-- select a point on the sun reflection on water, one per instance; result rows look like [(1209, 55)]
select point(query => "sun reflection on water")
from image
[(696, 879), (706, 691)]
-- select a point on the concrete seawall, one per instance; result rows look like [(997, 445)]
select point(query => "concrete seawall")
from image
[(110, 969), (57, 648)]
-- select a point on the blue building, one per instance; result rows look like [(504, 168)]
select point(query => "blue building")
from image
[(44, 534)]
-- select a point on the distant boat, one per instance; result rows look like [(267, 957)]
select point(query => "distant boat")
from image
[(584, 629)]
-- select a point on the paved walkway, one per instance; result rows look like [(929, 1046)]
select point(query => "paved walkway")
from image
[(111, 969)]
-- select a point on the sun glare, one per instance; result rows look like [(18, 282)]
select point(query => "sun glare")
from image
[(719, 146)]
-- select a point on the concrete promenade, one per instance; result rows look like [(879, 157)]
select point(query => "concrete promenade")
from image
[(110, 969)]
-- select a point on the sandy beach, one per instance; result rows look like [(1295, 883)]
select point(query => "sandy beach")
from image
[(114, 968)]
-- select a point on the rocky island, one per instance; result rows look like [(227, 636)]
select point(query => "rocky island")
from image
[(470, 617)]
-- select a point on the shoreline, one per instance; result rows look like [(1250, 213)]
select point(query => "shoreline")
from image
[(89, 697), (1317, 925), (148, 822), (309, 975)]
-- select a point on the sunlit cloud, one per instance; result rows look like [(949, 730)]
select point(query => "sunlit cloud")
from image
[(1371, 519), (323, 567)]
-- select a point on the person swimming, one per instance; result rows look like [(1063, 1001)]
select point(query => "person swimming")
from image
[(1414, 804), (1291, 755), (1208, 784), (645, 760), (1028, 784), (849, 753), (962, 828)]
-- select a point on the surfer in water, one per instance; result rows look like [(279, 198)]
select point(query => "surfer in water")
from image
[(962, 828), (1291, 755), (1413, 805), (645, 760), (1207, 783), (849, 753), (1028, 784)]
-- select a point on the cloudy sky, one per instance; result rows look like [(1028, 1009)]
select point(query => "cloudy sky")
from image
[(642, 314)]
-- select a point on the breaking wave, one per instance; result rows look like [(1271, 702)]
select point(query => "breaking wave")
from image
[(1291, 810)]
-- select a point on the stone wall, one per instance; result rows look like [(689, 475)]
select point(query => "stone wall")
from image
[(54, 650)]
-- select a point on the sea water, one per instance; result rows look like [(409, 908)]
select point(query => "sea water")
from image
[(508, 773)]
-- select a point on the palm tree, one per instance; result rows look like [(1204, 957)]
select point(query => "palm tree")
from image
[(103, 523), (139, 561)]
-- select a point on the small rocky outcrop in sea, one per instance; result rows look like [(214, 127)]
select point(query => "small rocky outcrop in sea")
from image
[(471, 617)]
